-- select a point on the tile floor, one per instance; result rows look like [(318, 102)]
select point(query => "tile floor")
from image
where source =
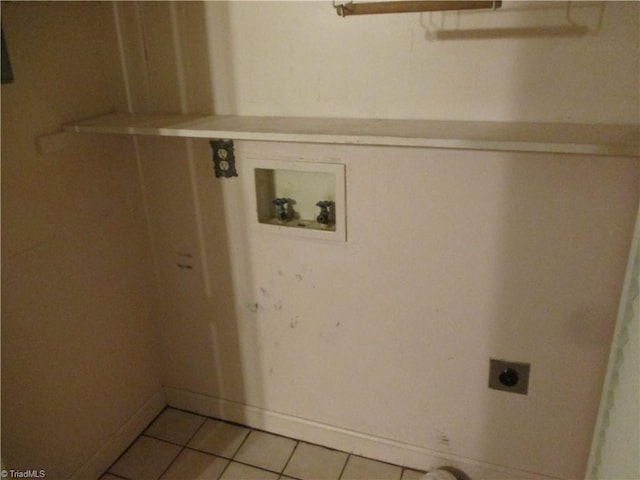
[(185, 446)]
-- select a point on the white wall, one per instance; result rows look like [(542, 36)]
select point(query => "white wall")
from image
[(381, 344), (79, 355), (300, 58), (456, 258)]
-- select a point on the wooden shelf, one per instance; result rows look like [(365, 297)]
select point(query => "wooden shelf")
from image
[(606, 140)]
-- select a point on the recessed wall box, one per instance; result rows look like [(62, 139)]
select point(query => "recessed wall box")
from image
[(298, 198)]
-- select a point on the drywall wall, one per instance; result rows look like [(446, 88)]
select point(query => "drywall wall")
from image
[(527, 61), (453, 258), (381, 345), (79, 360)]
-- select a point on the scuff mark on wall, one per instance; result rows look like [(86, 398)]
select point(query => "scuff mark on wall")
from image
[(253, 307), (184, 260), (444, 440)]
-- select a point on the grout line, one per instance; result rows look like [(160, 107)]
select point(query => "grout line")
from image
[(224, 469), (234, 460), (204, 452), (154, 420), (231, 459), (344, 467), (171, 463), (204, 420), (280, 473), (131, 445), (138, 438), (407, 469), (253, 466), (212, 454), (161, 440), (246, 437), (113, 475), (286, 464), (402, 467), (256, 467)]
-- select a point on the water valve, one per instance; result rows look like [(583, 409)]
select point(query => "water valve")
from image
[(282, 213), (324, 217)]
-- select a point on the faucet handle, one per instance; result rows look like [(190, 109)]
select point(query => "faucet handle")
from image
[(324, 217), (282, 213)]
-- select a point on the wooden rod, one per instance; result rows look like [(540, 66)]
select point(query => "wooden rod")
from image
[(413, 6)]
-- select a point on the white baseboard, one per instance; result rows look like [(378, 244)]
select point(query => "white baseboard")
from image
[(367, 445), (121, 439)]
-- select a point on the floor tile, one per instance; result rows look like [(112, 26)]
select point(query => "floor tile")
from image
[(218, 450), (175, 426), (360, 468), (219, 438), (146, 459), (193, 465), (266, 451), (238, 471), (313, 462), (408, 474)]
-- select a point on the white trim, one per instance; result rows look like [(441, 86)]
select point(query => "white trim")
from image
[(116, 443), (372, 446)]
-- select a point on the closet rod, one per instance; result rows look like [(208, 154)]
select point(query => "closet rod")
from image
[(351, 8)]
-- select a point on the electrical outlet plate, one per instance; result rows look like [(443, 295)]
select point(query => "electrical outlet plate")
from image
[(224, 160), (509, 376)]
